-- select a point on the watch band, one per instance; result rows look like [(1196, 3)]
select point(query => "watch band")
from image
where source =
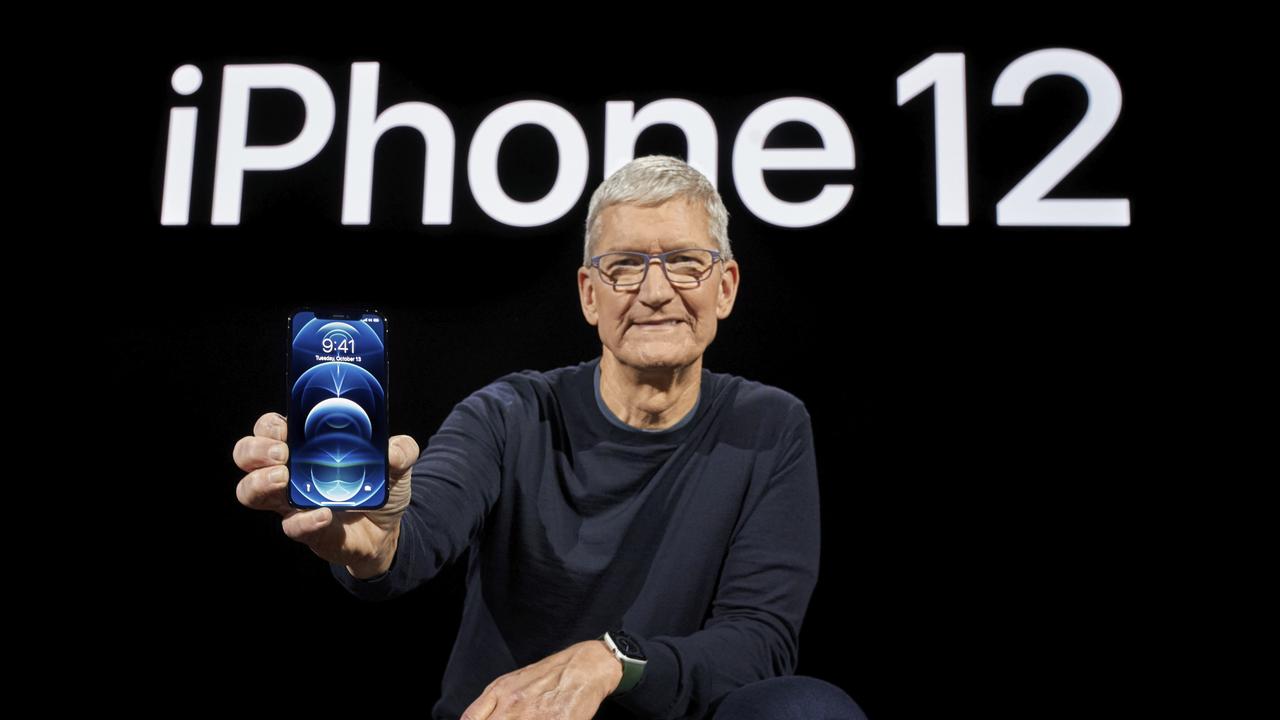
[(630, 654)]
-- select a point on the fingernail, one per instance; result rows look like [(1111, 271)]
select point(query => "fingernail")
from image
[(277, 452), (277, 475)]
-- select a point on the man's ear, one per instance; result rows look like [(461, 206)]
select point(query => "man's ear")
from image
[(727, 293), (587, 297)]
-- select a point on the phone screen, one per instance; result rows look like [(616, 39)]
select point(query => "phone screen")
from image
[(338, 434)]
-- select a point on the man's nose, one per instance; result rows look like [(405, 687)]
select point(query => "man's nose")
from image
[(655, 281)]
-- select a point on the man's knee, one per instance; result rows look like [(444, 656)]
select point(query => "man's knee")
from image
[(790, 697)]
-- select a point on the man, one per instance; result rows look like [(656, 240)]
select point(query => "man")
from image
[(644, 533)]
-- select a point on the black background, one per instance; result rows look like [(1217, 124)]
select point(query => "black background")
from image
[(980, 395)]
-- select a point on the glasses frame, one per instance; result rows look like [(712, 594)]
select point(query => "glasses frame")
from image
[(661, 257)]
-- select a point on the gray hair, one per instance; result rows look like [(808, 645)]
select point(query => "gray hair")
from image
[(652, 180)]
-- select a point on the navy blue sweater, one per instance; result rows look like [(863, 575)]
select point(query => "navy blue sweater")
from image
[(701, 538)]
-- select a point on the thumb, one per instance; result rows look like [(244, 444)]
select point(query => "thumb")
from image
[(402, 454)]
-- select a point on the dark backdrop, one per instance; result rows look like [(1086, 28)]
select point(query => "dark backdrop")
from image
[(973, 389)]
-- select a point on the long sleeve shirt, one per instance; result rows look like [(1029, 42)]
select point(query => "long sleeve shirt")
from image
[(701, 540)]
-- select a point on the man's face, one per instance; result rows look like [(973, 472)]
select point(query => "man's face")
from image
[(620, 313)]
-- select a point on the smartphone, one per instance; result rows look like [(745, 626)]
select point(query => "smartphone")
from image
[(336, 374)]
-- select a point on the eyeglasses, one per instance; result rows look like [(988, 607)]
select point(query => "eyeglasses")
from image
[(684, 268)]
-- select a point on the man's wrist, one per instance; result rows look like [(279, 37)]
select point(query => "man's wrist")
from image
[(614, 667), (380, 565), (630, 655)]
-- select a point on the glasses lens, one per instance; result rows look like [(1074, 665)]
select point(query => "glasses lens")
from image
[(622, 268), (688, 266)]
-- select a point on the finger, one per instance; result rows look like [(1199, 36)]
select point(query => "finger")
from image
[(271, 425), (264, 489), (403, 453), (306, 525), (251, 453)]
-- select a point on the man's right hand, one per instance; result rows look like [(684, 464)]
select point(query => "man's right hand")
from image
[(364, 541)]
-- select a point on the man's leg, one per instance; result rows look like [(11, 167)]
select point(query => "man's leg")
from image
[(790, 697)]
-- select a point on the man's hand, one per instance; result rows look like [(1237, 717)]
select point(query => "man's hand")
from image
[(363, 540), (569, 685)]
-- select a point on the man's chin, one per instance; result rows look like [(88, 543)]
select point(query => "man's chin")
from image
[(656, 360)]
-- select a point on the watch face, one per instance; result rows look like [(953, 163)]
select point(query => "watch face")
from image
[(628, 646)]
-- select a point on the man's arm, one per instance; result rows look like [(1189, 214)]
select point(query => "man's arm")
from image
[(769, 576), (456, 480)]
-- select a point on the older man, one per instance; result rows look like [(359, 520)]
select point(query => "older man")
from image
[(644, 532)]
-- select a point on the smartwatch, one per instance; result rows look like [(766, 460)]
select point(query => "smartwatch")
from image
[(630, 654)]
